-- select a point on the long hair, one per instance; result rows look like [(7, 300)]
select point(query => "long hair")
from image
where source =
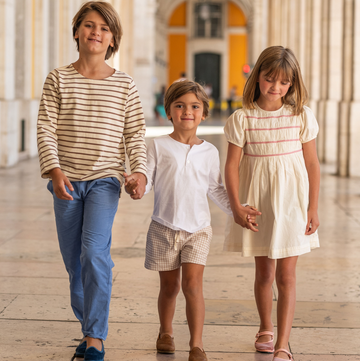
[(277, 61)]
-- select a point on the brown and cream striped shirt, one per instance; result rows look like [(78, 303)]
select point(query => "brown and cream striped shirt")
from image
[(85, 125)]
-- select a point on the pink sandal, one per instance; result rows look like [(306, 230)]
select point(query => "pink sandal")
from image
[(281, 359), (265, 347)]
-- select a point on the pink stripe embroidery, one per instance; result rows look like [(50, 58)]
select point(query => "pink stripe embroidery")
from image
[(279, 116), (275, 141), (272, 155), (250, 129)]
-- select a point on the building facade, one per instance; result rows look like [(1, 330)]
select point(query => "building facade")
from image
[(209, 40)]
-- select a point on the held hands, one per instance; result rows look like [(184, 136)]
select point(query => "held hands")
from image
[(135, 185), (312, 223), (59, 181), (246, 217)]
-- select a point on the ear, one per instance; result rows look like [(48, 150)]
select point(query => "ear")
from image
[(112, 42), (76, 36)]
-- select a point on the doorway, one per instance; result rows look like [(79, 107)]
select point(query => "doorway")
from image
[(207, 71)]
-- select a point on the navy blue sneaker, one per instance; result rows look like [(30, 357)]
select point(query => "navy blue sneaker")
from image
[(80, 351), (93, 354)]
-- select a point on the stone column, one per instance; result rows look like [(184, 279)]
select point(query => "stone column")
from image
[(324, 78), (347, 89), (335, 80), (123, 60), (315, 61), (275, 26), (354, 126), (258, 29), (293, 28), (8, 108), (143, 51)]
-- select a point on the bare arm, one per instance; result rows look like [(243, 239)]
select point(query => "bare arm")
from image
[(232, 185), (313, 170)]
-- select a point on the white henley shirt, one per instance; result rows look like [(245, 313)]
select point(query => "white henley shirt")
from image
[(182, 178)]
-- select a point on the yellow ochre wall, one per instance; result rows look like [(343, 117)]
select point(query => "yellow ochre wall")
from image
[(178, 17), (235, 16), (237, 49), (176, 56), (237, 59), (177, 44)]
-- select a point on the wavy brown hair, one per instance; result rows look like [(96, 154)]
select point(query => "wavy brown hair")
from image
[(277, 61), (107, 11), (182, 87)]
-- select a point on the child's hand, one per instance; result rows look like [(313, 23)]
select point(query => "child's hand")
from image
[(313, 222), (135, 185), (130, 184), (59, 181), (246, 217)]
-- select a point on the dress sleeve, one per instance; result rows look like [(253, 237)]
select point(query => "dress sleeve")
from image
[(309, 126), (134, 131), (47, 139), (217, 192), (150, 166), (235, 129)]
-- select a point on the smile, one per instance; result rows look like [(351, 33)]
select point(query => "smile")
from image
[(96, 41)]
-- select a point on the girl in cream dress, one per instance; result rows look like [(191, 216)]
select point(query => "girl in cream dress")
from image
[(273, 140)]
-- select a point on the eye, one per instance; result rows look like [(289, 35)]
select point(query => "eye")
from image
[(178, 106), (196, 107), (105, 29), (88, 26)]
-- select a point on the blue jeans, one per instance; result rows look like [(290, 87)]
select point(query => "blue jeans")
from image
[(84, 231)]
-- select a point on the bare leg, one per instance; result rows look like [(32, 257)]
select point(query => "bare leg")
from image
[(93, 342), (169, 289), (192, 285), (264, 278), (286, 284)]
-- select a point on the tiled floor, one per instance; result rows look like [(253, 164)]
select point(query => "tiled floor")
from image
[(36, 322)]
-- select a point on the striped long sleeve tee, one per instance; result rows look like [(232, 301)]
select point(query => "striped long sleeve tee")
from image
[(86, 125)]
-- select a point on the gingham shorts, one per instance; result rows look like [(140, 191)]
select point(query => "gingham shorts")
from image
[(167, 249)]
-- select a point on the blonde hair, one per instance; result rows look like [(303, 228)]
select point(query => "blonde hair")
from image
[(111, 17), (182, 87), (277, 61)]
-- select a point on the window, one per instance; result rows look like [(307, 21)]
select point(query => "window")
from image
[(208, 20)]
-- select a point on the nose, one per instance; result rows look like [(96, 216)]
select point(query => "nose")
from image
[(95, 30), (187, 109)]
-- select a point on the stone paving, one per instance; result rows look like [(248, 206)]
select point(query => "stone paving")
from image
[(36, 322)]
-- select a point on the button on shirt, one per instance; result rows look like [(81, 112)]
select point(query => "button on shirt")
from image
[(182, 178)]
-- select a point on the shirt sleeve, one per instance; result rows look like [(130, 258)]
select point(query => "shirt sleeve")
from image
[(150, 166), (217, 192), (309, 126), (47, 139), (235, 129), (134, 131)]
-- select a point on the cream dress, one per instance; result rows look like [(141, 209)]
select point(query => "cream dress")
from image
[(273, 178)]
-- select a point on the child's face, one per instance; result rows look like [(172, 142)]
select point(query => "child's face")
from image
[(186, 112), (94, 34), (271, 89)]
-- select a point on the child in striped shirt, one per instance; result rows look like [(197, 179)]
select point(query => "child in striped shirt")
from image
[(89, 114)]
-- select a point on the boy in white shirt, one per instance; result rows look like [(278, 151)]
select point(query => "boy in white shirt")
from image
[(183, 170)]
